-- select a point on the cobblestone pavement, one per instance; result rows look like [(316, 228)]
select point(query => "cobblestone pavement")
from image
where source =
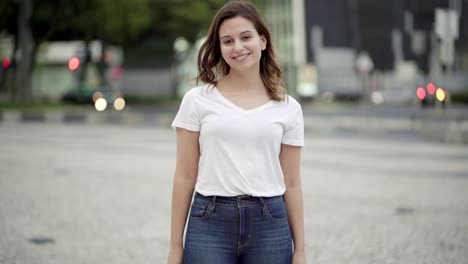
[(99, 194)]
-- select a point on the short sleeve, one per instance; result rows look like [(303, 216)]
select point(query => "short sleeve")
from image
[(187, 117), (294, 131)]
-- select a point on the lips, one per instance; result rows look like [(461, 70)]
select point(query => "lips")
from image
[(241, 57)]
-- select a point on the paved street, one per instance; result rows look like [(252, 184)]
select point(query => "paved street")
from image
[(436, 124), (100, 194)]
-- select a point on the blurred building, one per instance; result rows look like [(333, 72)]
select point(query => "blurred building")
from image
[(279, 15), (355, 47)]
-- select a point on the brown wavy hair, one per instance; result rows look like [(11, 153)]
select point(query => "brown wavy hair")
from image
[(211, 62)]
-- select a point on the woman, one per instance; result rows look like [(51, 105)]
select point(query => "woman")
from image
[(239, 139)]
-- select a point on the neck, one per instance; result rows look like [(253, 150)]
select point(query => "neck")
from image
[(248, 81)]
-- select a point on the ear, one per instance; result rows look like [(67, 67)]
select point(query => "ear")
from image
[(263, 41)]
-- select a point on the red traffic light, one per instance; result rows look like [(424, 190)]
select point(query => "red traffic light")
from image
[(431, 88), (421, 93), (73, 63), (6, 63)]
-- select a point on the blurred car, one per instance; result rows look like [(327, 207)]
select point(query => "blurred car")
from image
[(100, 97)]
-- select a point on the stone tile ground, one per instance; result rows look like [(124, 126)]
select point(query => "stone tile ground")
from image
[(97, 194)]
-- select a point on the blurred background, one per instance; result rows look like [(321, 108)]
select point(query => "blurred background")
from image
[(360, 51), (88, 90)]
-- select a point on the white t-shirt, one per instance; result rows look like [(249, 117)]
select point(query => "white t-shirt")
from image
[(239, 149)]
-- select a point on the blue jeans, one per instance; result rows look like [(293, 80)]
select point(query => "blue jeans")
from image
[(238, 230)]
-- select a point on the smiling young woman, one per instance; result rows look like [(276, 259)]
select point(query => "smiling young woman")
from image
[(239, 139), (241, 45)]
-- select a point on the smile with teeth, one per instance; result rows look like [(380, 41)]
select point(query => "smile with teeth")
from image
[(241, 57)]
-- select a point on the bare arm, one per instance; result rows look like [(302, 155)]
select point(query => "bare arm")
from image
[(290, 158), (188, 154)]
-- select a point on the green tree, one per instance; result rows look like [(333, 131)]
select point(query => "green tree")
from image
[(127, 23), (33, 21), (115, 22), (171, 19)]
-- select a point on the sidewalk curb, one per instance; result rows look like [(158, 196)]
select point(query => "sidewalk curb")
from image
[(450, 131), (87, 117)]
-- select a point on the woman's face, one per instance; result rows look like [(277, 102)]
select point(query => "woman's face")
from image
[(241, 45)]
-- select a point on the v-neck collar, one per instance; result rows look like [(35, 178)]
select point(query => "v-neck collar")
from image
[(238, 108)]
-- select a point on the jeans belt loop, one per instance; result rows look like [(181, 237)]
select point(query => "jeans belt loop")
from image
[(212, 204), (263, 205)]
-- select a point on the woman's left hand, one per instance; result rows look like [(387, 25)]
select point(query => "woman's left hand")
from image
[(299, 258)]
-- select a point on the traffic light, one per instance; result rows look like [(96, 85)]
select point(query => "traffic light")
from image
[(431, 89), (74, 63), (421, 93), (6, 63), (431, 95)]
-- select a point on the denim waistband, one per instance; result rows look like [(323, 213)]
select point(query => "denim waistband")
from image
[(244, 200)]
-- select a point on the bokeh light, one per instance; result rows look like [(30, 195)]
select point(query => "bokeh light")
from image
[(377, 98), (440, 94), (96, 96), (431, 88), (119, 104), (116, 72), (73, 63), (421, 93), (6, 63), (100, 104)]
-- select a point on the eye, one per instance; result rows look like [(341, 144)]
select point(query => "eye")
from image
[(247, 37), (227, 42)]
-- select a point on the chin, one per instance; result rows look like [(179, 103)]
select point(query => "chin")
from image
[(243, 68)]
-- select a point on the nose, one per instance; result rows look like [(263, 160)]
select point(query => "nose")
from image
[(238, 46)]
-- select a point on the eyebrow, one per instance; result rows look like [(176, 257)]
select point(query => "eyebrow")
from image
[(243, 32)]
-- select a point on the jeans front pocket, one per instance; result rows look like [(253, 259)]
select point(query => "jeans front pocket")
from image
[(277, 210), (200, 210)]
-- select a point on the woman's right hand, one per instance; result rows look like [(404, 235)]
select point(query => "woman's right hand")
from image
[(176, 256)]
